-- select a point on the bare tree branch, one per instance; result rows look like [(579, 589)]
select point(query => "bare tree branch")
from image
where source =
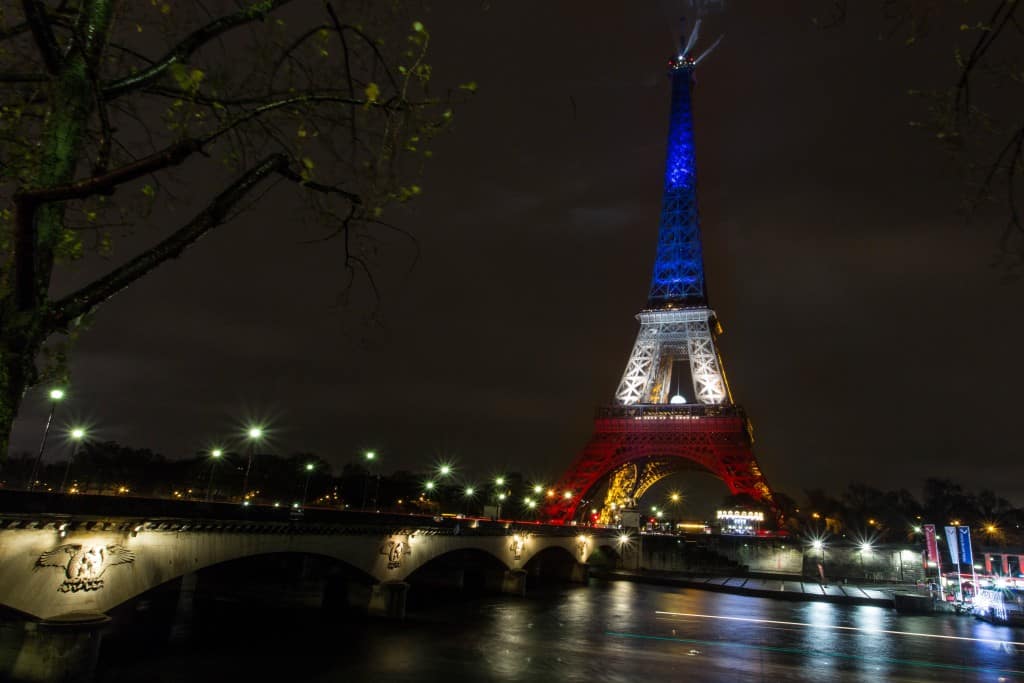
[(84, 300), (102, 184), (319, 187), (195, 40), (42, 31)]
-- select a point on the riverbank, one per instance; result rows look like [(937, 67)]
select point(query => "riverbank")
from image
[(762, 587)]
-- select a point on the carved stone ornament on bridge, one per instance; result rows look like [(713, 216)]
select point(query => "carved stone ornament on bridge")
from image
[(517, 545), (84, 566), (396, 551)]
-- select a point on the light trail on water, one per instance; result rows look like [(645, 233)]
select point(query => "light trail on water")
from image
[(801, 652), (775, 622)]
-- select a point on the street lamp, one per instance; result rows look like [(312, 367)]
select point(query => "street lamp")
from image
[(819, 545), (214, 456), (56, 395), (370, 457), (305, 489), (499, 481), (77, 434), (254, 433), (467, 493), (865, 547), (444, 470), (501, 498), (538, 489)]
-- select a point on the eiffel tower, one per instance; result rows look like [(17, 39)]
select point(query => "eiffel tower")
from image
[(673, 410)]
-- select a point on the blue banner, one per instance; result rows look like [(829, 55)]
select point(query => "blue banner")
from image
[(965, 545)]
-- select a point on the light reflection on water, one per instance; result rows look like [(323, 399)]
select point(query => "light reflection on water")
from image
[(608, 631)]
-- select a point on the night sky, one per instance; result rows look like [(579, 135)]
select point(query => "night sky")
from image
[(866, 333)]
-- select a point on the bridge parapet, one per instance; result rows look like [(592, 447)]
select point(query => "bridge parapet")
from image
[(59, 563)]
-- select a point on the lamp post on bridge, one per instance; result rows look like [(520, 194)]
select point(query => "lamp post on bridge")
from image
[(370, 457), (305, 489), (77, 434), (56, 395), (214, 456), (255, 434), (499, 488)]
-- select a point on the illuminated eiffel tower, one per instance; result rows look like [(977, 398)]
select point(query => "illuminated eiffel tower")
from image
[(673, 409)]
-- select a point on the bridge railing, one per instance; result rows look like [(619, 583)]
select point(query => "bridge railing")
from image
[(80, 511)]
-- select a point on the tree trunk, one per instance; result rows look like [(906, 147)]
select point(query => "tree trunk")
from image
[(24, 308), (17, 374)]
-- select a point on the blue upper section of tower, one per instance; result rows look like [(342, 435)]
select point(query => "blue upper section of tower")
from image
[(678, 279)]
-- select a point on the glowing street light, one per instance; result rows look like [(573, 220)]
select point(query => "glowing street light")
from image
[(538, 489), (865, 547), (444, 470), (305, 489), (567, 495), (817, 544), (429, 486), (56, 395), (499, 481), (370, 457), (674, 497), (255, 434), (469, 491), (215, 455), (77, 435)]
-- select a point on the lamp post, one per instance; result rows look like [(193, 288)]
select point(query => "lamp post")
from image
[(864, 548), (77, 434), (499, 484), (305, 489), (55, 397), (819, 546), (214, 456), (370, 457), (254, 434), (468, 493)]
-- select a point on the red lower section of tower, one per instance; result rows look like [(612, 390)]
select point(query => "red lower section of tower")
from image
[(715, 438)]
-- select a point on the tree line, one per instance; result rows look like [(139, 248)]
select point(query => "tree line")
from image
[(865, 513)]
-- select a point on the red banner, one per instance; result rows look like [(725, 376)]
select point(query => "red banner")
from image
[(931, 544)]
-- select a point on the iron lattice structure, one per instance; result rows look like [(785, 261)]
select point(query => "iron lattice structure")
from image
[(652, 429)]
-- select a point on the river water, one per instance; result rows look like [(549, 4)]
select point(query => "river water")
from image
[(607, 631)]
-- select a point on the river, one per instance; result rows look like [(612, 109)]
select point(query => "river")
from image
[(607, 631)]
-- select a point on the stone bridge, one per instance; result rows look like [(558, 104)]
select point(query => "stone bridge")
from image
[(79, 559)]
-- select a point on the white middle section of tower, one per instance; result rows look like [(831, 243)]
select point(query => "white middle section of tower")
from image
[(668, 336)]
